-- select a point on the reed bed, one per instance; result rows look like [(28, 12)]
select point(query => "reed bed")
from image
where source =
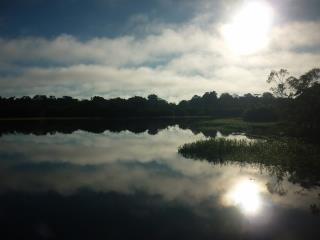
[(279, 156)]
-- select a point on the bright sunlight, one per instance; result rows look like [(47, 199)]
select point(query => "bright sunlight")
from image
[(246, 196), (248, 31)]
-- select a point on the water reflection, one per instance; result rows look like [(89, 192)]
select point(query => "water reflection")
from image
[(105, 183), (246, 195)]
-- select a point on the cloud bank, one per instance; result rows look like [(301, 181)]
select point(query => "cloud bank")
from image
[(175, 62)]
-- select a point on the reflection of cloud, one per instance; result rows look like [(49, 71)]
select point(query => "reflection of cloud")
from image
[(123, 163), (106, 148)]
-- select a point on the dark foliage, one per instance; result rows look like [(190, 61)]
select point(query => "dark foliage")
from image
[(262, 114), (41, 106)]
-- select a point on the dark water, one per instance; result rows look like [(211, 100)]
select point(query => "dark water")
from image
[(133, 185)]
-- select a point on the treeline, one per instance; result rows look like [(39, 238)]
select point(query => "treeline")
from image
[(293, 100), (207, 105)]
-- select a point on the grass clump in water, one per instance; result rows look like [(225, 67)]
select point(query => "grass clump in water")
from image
[(279, 156)]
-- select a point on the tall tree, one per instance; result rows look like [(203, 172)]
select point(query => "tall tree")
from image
[(305, 81), (280, 87)]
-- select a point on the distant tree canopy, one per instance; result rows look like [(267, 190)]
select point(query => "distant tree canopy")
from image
[(207, 105)]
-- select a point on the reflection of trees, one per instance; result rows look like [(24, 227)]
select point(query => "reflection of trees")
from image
[(52, 126), (315, 208), (42, 127), (276, 187)]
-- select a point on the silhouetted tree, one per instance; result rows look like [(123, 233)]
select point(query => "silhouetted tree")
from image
[(281, 87), (305, 81)]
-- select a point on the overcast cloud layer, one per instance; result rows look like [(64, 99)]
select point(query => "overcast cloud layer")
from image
[(174, 56)]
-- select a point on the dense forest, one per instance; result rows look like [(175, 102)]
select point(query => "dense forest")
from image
[(294, 100), (207, 105)]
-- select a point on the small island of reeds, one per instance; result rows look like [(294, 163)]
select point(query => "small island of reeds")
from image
[(280, 157)]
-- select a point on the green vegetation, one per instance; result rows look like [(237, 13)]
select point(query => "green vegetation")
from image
[(278, 156)]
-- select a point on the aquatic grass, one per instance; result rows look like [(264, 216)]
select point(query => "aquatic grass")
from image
[(279, 156)]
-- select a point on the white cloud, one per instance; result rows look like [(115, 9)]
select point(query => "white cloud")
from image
[(174, 63), (116, 52), (296, 35), (105, 81)]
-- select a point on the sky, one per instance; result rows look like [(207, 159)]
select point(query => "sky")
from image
[(173, 48)]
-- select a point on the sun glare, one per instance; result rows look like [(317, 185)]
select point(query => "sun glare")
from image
[(248, 31), (246, 196)]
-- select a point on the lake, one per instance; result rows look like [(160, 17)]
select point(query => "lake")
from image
[(129, 182)]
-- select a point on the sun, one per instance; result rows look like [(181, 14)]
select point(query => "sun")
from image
[(248, 32)]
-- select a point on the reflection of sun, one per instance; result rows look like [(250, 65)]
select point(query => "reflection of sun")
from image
[(248, 31), (246, 195)]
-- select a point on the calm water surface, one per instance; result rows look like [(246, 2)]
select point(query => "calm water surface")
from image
[(125, 185)]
